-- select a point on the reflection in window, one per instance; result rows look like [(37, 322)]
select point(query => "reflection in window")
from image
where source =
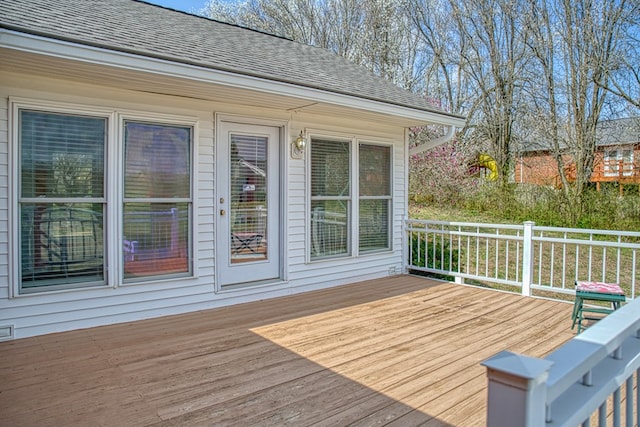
[(375, 197), (248, 198), (157, 203), (330, 198), (61, 200)]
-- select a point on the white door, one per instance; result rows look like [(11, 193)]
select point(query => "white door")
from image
[(248, 203)]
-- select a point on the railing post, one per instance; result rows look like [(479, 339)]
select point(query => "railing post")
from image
[(527, 258), (517, 390)]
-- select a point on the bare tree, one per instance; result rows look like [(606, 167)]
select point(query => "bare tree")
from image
[(574, 43), (373, 33), (442, 48), (625, 73), (478, 61)]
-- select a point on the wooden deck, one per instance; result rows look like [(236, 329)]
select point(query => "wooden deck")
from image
[(399, 351)]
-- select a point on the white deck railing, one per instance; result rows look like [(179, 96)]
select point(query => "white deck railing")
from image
[(590, 379), (527, 257), (587, 381)]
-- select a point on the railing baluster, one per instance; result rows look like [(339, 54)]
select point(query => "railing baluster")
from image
[(486, 257), (638, 397), (564, 263), (629, 402), (540, 247), (553, 260), (497, 243), (467, 266), (590, 256), (506, 261), (477, 250), (604, 264), (602, 415), (616, 408), (518, 258), (633, 277), (577, 270), (618, 260)]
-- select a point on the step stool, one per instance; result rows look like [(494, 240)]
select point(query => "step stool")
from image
[(595, 291)]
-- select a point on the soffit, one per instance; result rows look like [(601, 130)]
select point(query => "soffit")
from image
[(157, 83)]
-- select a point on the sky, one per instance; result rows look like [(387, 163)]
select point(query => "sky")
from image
[(190, 6)]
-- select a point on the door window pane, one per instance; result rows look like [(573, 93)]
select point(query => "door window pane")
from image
[(61, 231), (249, 198), (157, 203)]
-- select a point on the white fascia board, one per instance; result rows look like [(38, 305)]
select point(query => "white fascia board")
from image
[(73, 51)]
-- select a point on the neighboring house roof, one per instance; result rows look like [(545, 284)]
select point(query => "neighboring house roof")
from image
[(609, 133), (138, 28), (619, 132)]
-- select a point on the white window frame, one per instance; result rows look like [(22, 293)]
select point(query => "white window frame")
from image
[(158, 119), (619, 156), (353, 242), (112, 196), (389, 198)]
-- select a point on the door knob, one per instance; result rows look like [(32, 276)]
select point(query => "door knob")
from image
[(222, 212)]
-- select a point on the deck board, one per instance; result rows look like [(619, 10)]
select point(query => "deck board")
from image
[(399, 351)]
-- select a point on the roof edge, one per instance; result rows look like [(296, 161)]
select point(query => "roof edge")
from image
[(43, 44)]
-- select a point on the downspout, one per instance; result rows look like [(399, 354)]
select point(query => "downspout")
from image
[(434, 142)]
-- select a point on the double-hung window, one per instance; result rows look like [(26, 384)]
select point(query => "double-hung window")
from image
[(157, 199), (62, 201), (330, 198), (375, 197), (67, 226), (337, 226)]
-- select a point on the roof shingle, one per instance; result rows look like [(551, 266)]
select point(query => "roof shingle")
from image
[(140, 28)]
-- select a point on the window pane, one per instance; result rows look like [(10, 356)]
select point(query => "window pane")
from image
[(61, 155), (375, 197), (375, 170), (374, 225), (157, 161), (61, 244), (329, 229), (329, 168), (156, 239)]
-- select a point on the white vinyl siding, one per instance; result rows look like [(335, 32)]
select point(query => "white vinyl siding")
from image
[(46, 312)]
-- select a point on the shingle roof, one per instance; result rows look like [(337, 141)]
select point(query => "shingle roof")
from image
[(619, 131), (140, 28)]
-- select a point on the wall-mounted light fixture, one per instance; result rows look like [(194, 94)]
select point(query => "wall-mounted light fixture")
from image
[(297, 147)]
